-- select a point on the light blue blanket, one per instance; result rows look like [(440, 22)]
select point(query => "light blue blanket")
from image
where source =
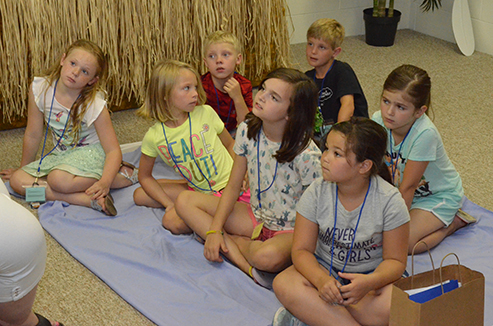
[(165, 277), (168, 279)]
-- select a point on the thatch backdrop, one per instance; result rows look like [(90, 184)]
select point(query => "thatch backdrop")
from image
[(135, 34)]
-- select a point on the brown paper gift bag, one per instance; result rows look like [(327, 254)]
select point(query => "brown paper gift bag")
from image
[(462, 306)]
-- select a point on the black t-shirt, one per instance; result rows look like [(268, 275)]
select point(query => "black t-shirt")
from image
[(340, 80)]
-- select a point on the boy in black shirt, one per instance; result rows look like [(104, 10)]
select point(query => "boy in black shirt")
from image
[(341, 95)]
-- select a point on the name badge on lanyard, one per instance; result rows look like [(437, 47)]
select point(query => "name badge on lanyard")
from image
[(36, 193)]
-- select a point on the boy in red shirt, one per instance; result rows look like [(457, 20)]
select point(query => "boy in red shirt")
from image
[(228, 92)]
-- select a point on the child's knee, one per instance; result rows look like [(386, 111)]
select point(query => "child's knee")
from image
[(379, 304), (286, 286), (183, 202), (269, 258), (59, 182), (167, 219), (172, 222), (16, 182), (139, 194), (280, 283)]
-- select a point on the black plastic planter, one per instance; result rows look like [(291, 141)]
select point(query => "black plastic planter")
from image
[(380, 31)]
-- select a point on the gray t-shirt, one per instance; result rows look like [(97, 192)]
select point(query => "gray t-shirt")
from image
[(384, 210)]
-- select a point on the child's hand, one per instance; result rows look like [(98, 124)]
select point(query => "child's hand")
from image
[(356, 290), (98, 190), (7, 174), (214, 244), (329, 291), (232, 87)]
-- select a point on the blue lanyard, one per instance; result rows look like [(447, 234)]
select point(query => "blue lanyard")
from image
[(170, 150), (355, 229), (323, 82), (394, 169), (219, 107), (258, 171), (48, 127)]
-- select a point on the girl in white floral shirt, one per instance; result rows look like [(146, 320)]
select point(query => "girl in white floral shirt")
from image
[(274, 147)]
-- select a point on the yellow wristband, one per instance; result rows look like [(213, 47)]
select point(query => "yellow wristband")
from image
[(213, 232)]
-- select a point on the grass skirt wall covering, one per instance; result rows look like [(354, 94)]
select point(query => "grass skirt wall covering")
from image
[(134, 34)]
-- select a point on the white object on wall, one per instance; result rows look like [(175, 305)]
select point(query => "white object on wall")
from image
[(462, 27)]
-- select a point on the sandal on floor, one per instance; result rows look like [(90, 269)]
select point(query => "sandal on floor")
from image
[(134, 177), (45, 322), (467, 218), (109, 204), (284, 317)]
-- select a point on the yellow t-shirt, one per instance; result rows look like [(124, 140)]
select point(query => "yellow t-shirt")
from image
[(203, 159)]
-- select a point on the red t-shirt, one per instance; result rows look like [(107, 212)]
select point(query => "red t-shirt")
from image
[(222, 103)]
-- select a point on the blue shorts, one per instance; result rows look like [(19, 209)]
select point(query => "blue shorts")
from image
[(443, 207)]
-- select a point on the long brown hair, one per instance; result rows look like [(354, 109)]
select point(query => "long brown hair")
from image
[(88, 93), (301, 114)]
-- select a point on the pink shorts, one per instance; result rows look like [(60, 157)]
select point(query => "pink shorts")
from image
[(266, 233), (244, 196)]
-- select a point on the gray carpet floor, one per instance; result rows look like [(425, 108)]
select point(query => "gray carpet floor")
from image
[(462, 103)]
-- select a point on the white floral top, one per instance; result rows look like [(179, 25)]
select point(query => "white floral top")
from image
[(279, 190)]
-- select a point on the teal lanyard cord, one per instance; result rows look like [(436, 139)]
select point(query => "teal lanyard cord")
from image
[(170, 151), (355, 229)]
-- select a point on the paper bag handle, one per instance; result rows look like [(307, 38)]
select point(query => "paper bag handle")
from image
[(432, 264), (458, 267)]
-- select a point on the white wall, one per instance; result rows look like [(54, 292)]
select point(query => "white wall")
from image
[(350, 14), (439, 23)]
